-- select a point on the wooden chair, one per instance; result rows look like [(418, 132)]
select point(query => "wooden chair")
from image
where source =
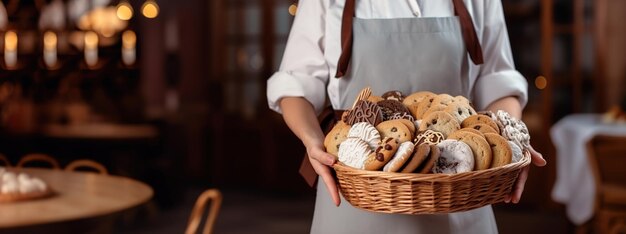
[(38, 158), (607, 157), (193, 226), (4, 161), (87, 164)]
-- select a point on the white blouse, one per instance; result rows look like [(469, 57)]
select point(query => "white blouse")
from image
[(313, 48)]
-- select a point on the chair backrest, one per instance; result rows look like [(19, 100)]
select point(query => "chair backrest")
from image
[(91, 165), (4, 161), (38, 158), (195, 219), (607, 157)]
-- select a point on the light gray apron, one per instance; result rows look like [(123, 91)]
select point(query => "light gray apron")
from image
[(407, 54)]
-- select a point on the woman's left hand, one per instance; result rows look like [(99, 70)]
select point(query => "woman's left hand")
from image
[(516, 194)]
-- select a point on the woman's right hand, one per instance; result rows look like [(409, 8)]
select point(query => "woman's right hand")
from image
[(322, 163), (302, 120)]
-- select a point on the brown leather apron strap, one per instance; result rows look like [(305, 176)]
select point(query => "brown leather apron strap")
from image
[(469, 32), (327, 120), (467, 29)]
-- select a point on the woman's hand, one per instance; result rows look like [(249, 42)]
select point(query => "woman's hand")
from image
[(321, 162), (302, 120), (516, 194)]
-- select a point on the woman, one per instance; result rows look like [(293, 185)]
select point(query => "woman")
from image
[(458, 47)]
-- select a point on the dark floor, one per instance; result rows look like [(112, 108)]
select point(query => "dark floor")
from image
[(258, 212)]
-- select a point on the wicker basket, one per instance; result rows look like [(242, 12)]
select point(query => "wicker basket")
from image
[(411, 193)]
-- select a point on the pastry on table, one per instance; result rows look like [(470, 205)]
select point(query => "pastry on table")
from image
[(17, 186)]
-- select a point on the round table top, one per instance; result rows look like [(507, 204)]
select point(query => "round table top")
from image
[(78, 195)]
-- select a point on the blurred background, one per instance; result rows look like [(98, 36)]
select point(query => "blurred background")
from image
[(172, 93)]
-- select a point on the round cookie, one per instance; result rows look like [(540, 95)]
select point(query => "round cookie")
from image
[(418, 110), (429, 163), (395, 129), (381, 155), (375, 99), (480, 118), (501, 152), (460, 110), (417, 97), (517, 152), (405, 150), (429, 137), (455, 157), (390, 107), (410, 125), (366, 132), (333, 139), (420, 153), (353, 152), (435, 107), (440, 121), (483, 128), (462, 99), (393, 95), (406, 116), (480, 148), (472, 131), (444, 99)]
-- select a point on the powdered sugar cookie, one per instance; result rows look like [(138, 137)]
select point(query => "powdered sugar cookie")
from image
[(353, 152), (366, 132), (455, 157), (405, 150)]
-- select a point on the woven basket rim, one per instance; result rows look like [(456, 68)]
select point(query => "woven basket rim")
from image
[(525, 161)]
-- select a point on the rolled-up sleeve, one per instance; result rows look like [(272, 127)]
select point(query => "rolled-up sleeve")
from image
[(498, 77), (303, 71)]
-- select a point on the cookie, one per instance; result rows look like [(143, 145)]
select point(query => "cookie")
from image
[(406, 116), (393, 95), (375, 99), (417, 97), (435, 107), (483, 128), (482, 119), (462, 99), (353, 152), (405, 150), (513, 129), (410, 125), (460, 111), (429, 163), (429, 137), (418, 110), (333, 139), (440, 121), (501, 152), (443, 99), (480, 148), (391, 107), (381, 156), (455, 157), (395, 129), (366, 132), (420, 153), (517, 152), (364, 111), (472, 131)]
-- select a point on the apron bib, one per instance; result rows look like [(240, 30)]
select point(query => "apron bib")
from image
[(409, 55)]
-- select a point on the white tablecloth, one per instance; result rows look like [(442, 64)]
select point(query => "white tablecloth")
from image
[(574, 184)]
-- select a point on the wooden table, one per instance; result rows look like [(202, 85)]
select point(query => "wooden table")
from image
[(79, 196)]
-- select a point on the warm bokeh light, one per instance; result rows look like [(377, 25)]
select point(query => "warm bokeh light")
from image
[(150, 9), (129, 39), (10, 40), (124, 11), (541, 82), (49, 40), (91, 40), (292, 9)]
